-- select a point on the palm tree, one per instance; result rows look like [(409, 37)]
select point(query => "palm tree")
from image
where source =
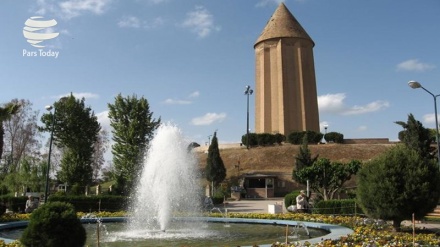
[(6, 113)]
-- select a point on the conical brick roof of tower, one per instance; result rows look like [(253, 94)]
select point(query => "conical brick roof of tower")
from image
[(283, 24)]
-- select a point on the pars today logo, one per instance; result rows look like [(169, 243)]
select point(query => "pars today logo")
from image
[(37, 30)]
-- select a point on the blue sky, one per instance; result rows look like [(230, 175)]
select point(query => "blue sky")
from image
[(192, 59)]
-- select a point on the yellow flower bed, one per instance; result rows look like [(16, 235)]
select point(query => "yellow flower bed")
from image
[(364, 234)]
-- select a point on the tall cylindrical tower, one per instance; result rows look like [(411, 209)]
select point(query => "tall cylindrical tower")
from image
[(285, 90)]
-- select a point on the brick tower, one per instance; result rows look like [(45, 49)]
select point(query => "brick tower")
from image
[(285, 91)]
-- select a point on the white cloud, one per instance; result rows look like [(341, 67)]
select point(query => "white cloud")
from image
[(194, 94), (362, 128), (72, 8), (104, 120), (430, 118), (334, 103), (371, 107), (177, 102), (155, 23), (414, 65), (208, 119), (129, 21), (200, 21), (45, 7), (79, 95), (135, 22)]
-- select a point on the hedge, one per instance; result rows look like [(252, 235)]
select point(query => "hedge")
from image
[(340, 207), (109, 203), (297, 137)]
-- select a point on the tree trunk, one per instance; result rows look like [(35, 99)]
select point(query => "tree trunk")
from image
[(2, 133), (396, 225)]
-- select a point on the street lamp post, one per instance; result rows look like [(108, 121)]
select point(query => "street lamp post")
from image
[(325, 133), (247, 92), (415, 85), (49, 108)]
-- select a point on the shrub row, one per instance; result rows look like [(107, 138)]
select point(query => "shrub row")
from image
[(340, 207), (109, 203), (297, 137), (263, 139), (12, 203), (266, 139)]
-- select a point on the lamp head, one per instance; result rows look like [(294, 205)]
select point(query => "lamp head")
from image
[(414, 84), (49, 107), (248, 91)]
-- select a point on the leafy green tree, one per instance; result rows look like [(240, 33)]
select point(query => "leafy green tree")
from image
[(6, 112), (416, 137), (21, 144), (54, 224), (215, 170), (397, 184), (433, 134), (303, 159), (326, 178), (76, 131), (133, 127), (29, 177), (21, 137)]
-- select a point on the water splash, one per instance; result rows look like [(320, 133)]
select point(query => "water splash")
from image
[(296, 230), (168, 183)]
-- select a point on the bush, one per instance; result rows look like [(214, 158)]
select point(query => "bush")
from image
[(279, 138), (252, 139), (334, 137), (77, 189), (340, 207), (15, 204), (265, 139), (262, 139), (54, 224), (218, 199), (297, 137), (290, 199)]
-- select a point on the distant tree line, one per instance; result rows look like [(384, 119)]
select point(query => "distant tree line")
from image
[(79, 145)]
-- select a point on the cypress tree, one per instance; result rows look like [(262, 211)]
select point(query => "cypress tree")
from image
[(215, 170)]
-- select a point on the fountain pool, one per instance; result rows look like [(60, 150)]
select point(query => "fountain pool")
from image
[(169, 187), (198, 231)]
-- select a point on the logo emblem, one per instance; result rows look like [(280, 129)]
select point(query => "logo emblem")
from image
[(37, 30)]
